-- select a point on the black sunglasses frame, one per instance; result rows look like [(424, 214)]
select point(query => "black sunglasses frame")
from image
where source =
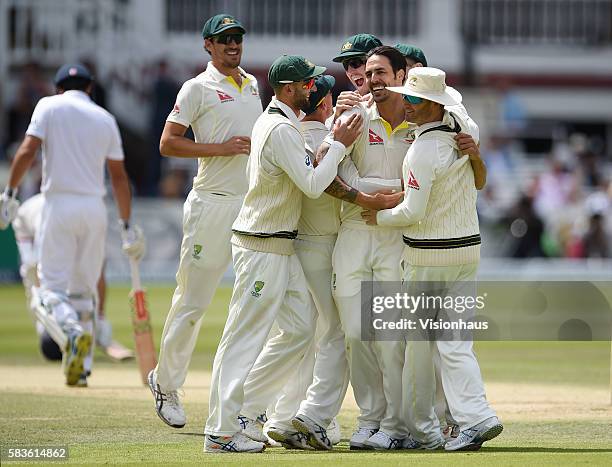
[(227, 38), (350, 62)]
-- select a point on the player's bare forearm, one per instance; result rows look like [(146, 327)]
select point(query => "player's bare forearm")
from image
[(480, 172), (121, 188), (339, 189), (173, 143), (376, 201), (25, 155), (467, 146)]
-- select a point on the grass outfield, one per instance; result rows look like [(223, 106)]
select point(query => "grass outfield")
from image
[(552, 396)]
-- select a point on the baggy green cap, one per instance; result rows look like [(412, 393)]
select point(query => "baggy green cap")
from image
[(324, 84), (291, 69), (219, 23), (410, 51), (359, 44)]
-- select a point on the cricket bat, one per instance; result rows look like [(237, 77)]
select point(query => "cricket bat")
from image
[(143, 334)]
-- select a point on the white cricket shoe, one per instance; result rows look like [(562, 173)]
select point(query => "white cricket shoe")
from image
[(77, 348), (167, 404), (333, 432), (289, 439), (472, 438), (411, 443), (251, 428), (360, 436), (237, 443), (381, 441), (317, 435)]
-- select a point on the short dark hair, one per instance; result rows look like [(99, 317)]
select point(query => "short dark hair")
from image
[(397, 59), (77, 84)]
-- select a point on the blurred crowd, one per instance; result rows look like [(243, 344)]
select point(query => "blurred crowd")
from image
[(561, 209), (559, 206)]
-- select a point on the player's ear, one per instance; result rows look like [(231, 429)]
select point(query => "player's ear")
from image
[(208, 45), (401, 75)]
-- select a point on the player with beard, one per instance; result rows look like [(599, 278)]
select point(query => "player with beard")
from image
[(270, 284), (377, 154)]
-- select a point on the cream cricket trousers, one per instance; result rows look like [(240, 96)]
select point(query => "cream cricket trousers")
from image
[(370, 254), (268, 288), (71, 254), (459, 370), (205, 255), (318, 388)]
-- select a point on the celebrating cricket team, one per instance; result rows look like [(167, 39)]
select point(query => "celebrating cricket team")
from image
[(307, 201)]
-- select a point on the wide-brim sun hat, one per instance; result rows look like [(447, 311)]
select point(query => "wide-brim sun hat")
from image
[(429, 83)]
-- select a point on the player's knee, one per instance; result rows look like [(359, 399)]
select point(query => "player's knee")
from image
[(84, 305)]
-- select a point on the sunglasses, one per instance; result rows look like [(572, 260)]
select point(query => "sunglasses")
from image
[(354, 63), (227, 38), (308, 84), (412, 99)]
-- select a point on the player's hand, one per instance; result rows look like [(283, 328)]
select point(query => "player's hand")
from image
[(346, 100), (369, 216), (380, 200), (8, 207), (132, 241), (237, 145), (347, 132), (467, 145)]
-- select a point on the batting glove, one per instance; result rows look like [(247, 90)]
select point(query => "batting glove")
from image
[(133, 241), (8, 207)]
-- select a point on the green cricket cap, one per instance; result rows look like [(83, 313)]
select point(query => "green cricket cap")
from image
[(359, 44), (219, 23), (291, 69), (410, 51), (324, 84)]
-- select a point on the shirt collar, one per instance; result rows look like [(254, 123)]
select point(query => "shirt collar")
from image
[(216, 75), (446, 120), (77, 94), (287, 110), (375, 115)]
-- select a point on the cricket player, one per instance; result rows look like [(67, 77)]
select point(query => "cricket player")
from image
[(77, 137), (270, 284), (317, 229), (27, 230), (415, 57), (377, 154), (221, 106), (442, 239)]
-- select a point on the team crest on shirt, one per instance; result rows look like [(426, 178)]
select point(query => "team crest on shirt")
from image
[(197, 249), (412, 181), (224, 97), (409, 139), (374, 138), (307, 161), (257, 287), (254, 91)]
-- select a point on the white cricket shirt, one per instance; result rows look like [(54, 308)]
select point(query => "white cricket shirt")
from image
[(320, 216), (77, 137), (378, 153), (217, 109)]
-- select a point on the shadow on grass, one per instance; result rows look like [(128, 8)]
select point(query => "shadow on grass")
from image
[(343, 449)]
